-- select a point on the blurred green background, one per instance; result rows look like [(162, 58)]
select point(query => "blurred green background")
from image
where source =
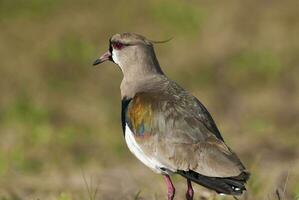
[(60, 134)]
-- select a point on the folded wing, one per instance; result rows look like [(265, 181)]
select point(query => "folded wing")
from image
[(178, 131)]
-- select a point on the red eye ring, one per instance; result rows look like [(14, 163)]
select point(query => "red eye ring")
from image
[(117, 45)]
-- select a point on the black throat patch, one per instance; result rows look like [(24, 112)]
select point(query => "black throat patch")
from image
[(124, 107)]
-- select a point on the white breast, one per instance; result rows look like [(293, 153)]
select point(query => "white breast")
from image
[(137, 151)]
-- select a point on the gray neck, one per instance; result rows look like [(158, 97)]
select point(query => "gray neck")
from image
[(130, 86), (138, 75)]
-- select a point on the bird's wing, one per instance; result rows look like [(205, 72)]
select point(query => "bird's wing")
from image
[(178, 131)]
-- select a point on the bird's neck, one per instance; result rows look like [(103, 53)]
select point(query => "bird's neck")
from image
[(137, 76), (130, 86)]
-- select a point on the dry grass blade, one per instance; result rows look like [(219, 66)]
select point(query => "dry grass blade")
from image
[(278, 194), (137, 195), (285, 184), (91, 195)]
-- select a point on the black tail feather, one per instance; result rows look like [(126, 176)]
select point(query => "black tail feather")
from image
[(227, 185)]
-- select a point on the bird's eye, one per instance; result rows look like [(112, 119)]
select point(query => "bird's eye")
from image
[(117, 45)]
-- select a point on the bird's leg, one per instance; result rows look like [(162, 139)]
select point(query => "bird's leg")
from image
[(190, 192), (170, 187)]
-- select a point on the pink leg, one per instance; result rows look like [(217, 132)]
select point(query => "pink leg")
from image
[(190, 192), (170, 187)]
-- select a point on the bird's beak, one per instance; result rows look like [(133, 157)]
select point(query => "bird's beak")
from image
[(106, 56)]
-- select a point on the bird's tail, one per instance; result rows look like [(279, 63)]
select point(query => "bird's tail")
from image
[(227, 185)]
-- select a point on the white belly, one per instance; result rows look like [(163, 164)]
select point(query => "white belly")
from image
[(137, 151)]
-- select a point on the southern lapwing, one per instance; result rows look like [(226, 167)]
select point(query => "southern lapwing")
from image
[(165, 127)]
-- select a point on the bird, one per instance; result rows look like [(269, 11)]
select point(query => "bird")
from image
[(167, 128)]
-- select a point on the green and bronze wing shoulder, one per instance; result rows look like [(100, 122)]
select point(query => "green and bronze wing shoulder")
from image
[(137, 113)]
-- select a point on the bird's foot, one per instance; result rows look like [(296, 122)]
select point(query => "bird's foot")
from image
[(170, 196), (189, 195), (190, 191), (170, 188)]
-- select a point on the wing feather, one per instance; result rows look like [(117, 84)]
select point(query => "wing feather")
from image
[(175, 128)]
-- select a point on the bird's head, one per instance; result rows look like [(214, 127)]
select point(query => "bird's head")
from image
[(133, 53)]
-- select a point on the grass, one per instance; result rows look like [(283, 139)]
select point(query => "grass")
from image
[(59, 116)]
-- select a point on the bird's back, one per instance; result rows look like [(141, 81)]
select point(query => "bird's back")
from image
[(176, 128)]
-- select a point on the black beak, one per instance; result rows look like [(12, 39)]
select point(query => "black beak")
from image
[(106, 56)]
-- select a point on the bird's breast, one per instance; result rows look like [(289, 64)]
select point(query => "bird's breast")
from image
[(149, 160)]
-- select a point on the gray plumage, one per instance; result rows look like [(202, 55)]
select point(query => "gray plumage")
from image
[(172, 129)]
